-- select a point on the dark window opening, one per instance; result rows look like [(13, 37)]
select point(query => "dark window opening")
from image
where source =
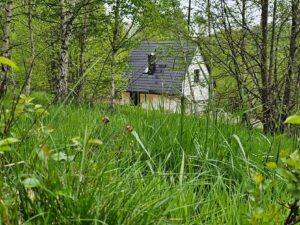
[(135, 98), (196, 75), (151, 63)]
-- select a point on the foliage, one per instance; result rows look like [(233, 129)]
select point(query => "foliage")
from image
[(78, 164), (8, 62), (293, 120), (83, 164), (288, 171)]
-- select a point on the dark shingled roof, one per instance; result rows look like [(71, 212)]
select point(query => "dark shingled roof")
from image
[(170, 67)]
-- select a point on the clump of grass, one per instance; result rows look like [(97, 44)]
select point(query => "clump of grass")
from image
[(75, 169)]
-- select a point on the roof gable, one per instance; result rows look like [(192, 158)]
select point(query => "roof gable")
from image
[(170, 67)]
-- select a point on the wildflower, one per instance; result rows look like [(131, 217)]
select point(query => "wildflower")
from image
[(129, 129), (105, 120), (258, 178)]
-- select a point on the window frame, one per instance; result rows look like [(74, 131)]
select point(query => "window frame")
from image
[(196, 76)]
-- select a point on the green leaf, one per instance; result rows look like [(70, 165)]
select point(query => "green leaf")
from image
[(62, 156), (135, 134), (4, 148), (284, 153), (258, 213), (271, 165), (8, 62), (43, 152), (64, 193), (31, 182), (25, 99), (77, 140), (38, 106), (8, 141), (295, 119), (42, 111), (295, 156), (287, 175), (95, 142)]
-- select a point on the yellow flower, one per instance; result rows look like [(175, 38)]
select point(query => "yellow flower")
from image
[(258, 178)]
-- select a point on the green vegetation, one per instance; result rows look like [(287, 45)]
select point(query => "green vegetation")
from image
[(85, 165), (66, 157)]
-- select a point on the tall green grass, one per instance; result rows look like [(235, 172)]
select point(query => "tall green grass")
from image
[(152, 175)]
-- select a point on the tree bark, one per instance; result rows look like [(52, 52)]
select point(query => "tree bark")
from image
[(272, 43), (66, 32), (292, 54), (243, 50), (32, 49), (114, 47), (6, 45), (113, 87), (209, 30), (264, 67), (82, 44), (272, 88)]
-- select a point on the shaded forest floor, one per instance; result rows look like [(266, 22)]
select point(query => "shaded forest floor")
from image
[(87, 165)]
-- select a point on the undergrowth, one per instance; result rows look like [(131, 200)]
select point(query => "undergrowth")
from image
[(88, 165)]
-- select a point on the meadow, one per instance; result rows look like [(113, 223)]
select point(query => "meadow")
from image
[(66, 157), (88, 165)]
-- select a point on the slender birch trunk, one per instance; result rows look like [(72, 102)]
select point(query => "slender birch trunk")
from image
[(272, 44), (271, 81), (82, 44), (113, 87), (114, 47), (32, 49), (6, 45), (187, 71), (209, 30), (245, 119), (66, 32)]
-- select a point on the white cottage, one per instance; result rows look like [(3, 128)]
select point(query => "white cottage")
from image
[(160, 72)]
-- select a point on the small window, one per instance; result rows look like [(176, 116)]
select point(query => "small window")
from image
[(196, 75)]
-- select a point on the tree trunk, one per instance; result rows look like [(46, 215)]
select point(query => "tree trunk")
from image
[(113, 88), (6, 46), (272, 43), (114, 46), (209, 30), (243, 50), (266, 117), (272, 87), (82, 44), (187, 72), (81, 65), (32, 49), (292, 54), (66, 32)]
